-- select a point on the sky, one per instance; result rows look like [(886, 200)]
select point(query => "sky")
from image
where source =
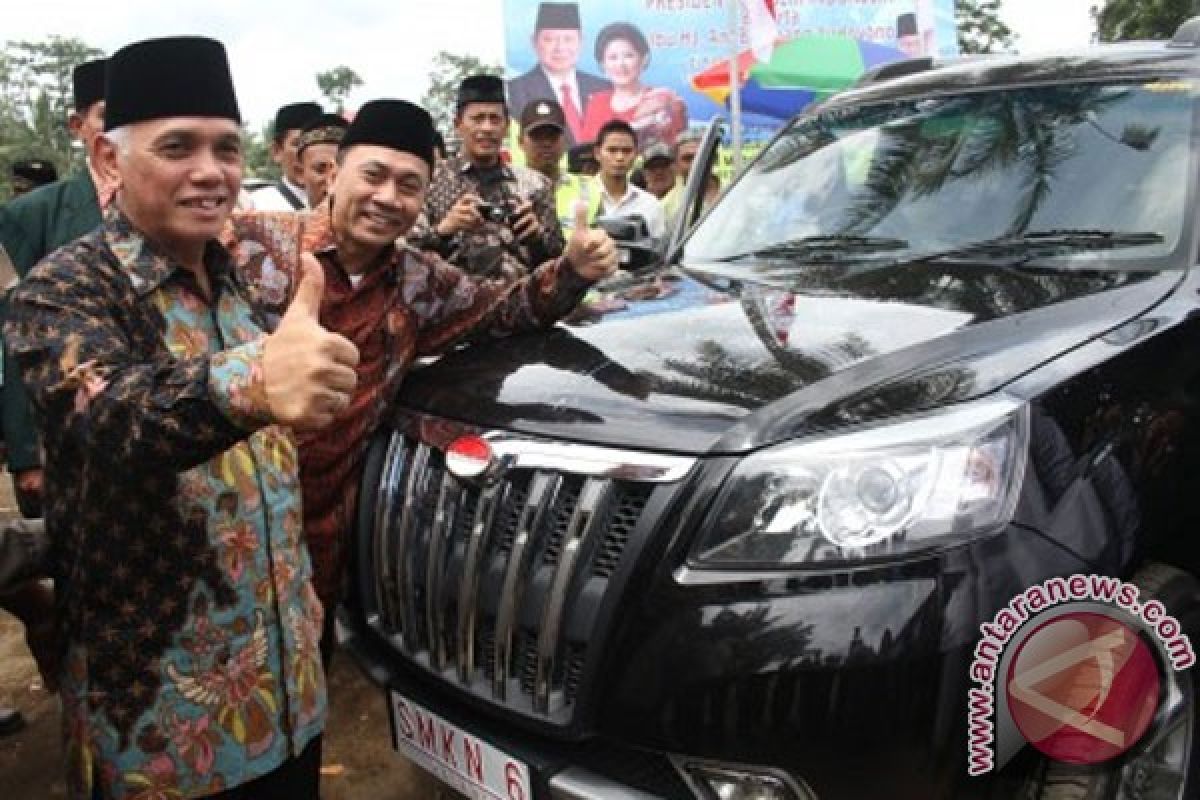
[(276, 49)]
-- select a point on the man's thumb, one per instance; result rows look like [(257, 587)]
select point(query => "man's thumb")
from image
[(310, 287), (581, 218)]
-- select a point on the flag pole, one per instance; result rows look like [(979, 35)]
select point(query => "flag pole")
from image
[(735, 84)]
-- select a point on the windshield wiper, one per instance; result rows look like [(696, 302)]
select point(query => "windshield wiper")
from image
[(824, 245), (1023, 247)]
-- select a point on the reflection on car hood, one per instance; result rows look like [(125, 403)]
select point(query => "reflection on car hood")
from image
[(674, 364)]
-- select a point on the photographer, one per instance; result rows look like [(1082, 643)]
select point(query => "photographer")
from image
[(486, 217)]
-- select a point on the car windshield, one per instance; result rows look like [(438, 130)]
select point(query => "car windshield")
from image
[(1105, 164)]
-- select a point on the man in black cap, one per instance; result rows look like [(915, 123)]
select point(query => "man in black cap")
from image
[(482, 215), (394, 302), (557, 36), (287, 193), (544, 143), (908, 37), (31, 227), (191, 663), (317, 152)]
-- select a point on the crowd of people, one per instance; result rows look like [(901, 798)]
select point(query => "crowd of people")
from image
[(194, 370)]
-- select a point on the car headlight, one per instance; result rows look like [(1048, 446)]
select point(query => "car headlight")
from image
[(883, 492)]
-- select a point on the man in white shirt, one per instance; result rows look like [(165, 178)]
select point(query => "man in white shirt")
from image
[(616, 150), (557, 36), (287, 193)]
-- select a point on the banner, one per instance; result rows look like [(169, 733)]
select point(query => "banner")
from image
[(663, 65)]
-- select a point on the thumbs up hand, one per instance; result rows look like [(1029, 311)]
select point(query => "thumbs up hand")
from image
[(591, 252), (308, 371)]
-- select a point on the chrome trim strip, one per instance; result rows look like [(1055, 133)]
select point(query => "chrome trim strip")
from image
[(594, 492), (577, 783), (443, 527), (543, 494), (490, 499), (408, 518), (386, 585), (588, 460)]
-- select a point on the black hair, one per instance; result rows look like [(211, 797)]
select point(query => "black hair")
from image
[(620, 30), (616, 126)]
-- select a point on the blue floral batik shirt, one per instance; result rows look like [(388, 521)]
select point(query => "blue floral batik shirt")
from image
[(192, 663)]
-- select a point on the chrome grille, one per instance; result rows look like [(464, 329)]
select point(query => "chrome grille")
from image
[(495, 586)]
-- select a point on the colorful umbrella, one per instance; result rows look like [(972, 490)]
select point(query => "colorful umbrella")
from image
[(801, 70)]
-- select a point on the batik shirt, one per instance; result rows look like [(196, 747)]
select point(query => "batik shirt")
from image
[(492, 251), (192, 662), (410, 304)]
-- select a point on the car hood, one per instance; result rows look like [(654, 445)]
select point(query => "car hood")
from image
[(684, 362)]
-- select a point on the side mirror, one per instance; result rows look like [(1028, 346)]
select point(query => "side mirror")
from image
[(636, 248)]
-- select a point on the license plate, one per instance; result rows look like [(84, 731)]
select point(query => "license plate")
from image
[(463, 761)]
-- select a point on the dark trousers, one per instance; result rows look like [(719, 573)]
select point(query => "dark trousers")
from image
[(297, 778)]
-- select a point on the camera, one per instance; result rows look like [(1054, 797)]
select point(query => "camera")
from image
[(493, 213)]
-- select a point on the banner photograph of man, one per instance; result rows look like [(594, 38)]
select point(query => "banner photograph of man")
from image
[(557, 40)]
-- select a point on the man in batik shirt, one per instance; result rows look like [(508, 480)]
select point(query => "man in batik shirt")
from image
[(395, 303), (493, 220), (191, 628)]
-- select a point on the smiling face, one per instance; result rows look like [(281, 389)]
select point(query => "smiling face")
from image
[(557, 49), (623, 64), (377, 195), (179, 177)]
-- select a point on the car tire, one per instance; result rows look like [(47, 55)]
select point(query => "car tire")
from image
[(1179, 593)]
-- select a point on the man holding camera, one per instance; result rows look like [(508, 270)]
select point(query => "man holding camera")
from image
[(488, 218)]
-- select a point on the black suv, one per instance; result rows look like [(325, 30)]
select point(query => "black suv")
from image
[(731, 531)]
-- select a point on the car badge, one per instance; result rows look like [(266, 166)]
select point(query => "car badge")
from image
[(469, 457)]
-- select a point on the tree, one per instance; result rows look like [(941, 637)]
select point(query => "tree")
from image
[(1141, 19), (449, 69), (35, 99), (980, 29), (257, 154), (337, 84)]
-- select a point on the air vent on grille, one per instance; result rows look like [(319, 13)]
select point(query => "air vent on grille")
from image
[(496, 586)]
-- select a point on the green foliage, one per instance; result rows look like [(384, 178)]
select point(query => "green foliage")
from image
[(337, 84), (257, 154), (980, 29), (1118, 20), (35, 99), (449, 69)]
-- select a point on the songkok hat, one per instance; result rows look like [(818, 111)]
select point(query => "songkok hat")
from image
[(325, 129), (176, 76), (87, 83), (294, 117), (479, 89), (558, 16), (395, 124), (543, 114), (35, 171), (906, 25)]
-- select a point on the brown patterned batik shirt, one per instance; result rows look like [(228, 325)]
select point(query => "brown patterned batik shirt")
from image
[(174, 515), (492, 251), (409, 305)]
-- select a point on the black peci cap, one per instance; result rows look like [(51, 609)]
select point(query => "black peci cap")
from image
[(480, 89), (36, 171), (87, 83), (294, 116), (558, 16), (395, 124), (177, 76), (906, 25)]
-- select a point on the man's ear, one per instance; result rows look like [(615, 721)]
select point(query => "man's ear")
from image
[(276, 152), (75, 124), (104, 160)]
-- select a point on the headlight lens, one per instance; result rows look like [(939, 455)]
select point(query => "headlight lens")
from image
[(883, 492)]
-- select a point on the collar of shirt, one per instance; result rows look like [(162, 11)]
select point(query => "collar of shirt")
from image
[(631, 194), (502, 172), (147, 266), (299, 191)]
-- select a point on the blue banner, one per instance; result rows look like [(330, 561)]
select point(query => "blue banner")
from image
[(663, 65)]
